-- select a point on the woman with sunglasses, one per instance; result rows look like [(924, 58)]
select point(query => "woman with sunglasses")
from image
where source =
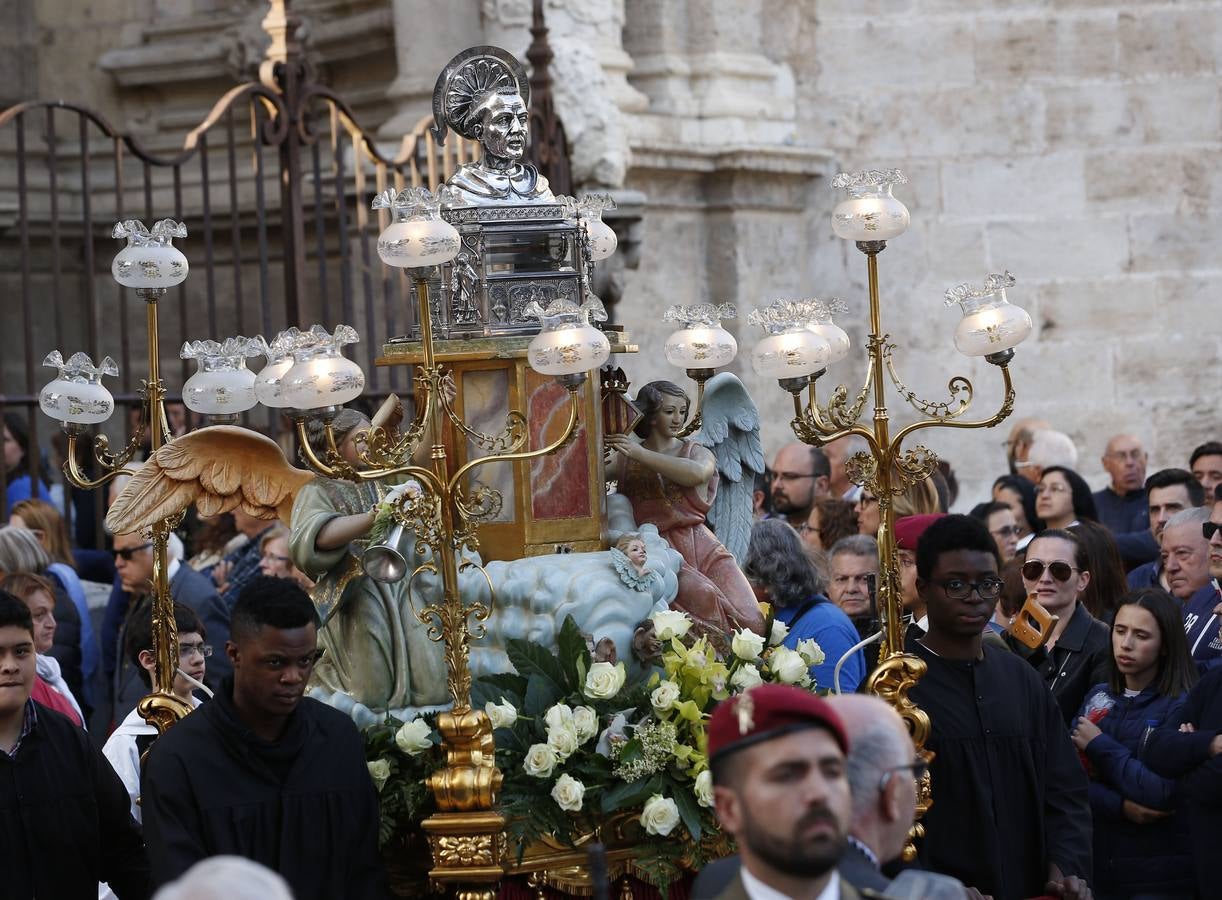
[(1075, 656), (1140, 843)]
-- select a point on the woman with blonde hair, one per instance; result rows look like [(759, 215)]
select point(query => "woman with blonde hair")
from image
[(20, 551)]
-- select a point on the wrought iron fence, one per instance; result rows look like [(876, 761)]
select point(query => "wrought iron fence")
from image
[(275, 187)]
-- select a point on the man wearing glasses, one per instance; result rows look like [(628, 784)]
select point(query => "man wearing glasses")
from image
[(264, 772), (134, 571), (800, 476), (1011, 816), (1122, 504)]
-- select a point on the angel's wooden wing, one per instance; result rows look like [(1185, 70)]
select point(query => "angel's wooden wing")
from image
[(218, 468)]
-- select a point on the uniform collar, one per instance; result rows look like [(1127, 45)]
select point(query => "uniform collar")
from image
[(757, 890)]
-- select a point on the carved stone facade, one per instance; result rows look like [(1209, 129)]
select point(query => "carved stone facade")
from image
[(1076, 144)]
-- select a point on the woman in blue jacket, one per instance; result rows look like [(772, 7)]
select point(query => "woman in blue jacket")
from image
[(780, 568), (1141, 846)]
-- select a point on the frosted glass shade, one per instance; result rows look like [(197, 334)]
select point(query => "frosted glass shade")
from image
[(869, 212), (220, 391), (76, 396), (792, 353), (76, 402), (418, 236), (701, 347), (992, 328), (321, 380), (602, 238), (269, 383), (568, 349), (150, 259), (836, 337)]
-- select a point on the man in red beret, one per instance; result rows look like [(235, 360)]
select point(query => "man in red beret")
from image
[(908, 531), (780, 787)]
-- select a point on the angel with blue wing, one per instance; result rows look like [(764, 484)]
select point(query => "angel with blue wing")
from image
[(673, 482)]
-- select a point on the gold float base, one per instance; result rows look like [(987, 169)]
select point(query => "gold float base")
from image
[(468, 849)]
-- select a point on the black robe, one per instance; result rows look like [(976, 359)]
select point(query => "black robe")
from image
[(1009, 793), (303, 806)]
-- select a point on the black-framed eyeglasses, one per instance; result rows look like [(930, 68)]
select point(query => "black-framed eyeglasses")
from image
[(1209, 529), (918, 770), (1033, 570), (127, 553), (958, 589)]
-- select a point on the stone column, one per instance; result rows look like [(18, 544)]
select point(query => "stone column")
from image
[(422, 51)]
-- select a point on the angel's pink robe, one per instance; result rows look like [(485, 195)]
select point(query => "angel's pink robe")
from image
[(712, 589)]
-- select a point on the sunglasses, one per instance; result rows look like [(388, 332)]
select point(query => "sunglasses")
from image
[(1209, 529), (1033, 570), (127, 553)]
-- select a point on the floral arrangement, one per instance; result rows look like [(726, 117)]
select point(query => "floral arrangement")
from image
[(401, 756), (579, 744)]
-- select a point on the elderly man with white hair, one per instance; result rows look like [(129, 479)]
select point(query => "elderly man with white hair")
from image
[(226, 878), (134, 568), (1048, 448)]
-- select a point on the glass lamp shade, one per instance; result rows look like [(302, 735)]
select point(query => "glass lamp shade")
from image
[(701, 347), (320, 375), (150, 259), (869, 212), (221, 385), (76, 396), (589, 210), (990, 323), (568, 345), (792, 353), (269, 383), (823, 326), (418, 236)]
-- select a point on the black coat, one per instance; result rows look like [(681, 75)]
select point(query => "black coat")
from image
[(303, 806), (1174, 754), (66, 647), (65, 819), (1010, 796), (1081, 658)]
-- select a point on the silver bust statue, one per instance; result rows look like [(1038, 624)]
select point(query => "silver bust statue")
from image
[(483, 94)]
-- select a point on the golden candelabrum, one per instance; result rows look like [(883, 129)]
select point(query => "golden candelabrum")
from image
[(870, 216), (466, 835), (151, 264)]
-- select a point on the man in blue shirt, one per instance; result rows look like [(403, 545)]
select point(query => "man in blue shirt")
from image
[(1122, 504)]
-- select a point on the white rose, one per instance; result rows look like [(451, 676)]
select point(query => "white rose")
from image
[(503, 715), (789, 666), (746, 677), (778, 634), (660, 815), (664, 696), (604, 680), (413, 737), (379, 771), (704, 788), (670, 623), (747, 645), (811, 652), (559, 716), (568, 793), (563, 740), (539, 761), (585, 720)]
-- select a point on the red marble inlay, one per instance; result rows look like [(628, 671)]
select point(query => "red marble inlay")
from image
[(560, 482)]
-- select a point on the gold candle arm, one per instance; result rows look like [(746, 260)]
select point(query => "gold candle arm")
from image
[(1007, 407), (700, 376)]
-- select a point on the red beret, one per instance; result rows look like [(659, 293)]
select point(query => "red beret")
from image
[(909, 529), (770, 711)]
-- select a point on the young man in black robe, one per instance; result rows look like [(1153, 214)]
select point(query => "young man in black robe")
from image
[(1010, 814), (263, 772)]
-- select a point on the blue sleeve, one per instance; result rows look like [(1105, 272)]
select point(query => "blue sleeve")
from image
[(833, 631), (1172, 753), (1121, 770), (1105, 803), (15, 491)]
